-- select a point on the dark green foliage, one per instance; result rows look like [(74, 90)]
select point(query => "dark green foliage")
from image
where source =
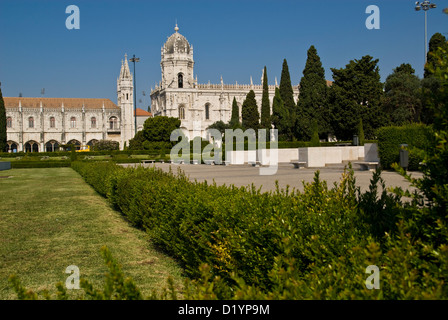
[(235, 118), (3, 137), (280, 116), (249, 112), (437, 40), (287, 96), (312, 102), (220, 126), (160, 128), (156, 134), (136, 143), (355, 94), (238, 243), (106, 145), (315, 142), (390, 139), (360, 133), (265, 120), (73, 154), (39, 164), (402, 96)]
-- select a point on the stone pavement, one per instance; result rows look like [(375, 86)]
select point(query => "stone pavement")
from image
[(244, 175)]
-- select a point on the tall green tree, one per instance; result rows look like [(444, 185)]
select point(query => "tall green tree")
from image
[(280, 116), (356, 93), (265, 120), (249, 112), (437, 40), (312, 98), (3, 138), (235, 118), (402, 96), (287, 95)]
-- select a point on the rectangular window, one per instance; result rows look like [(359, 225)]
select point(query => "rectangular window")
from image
[(52, 122), (9, 122)]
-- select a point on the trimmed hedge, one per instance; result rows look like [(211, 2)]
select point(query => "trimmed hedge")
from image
[(416, 136), (39, 164), (239, 243)]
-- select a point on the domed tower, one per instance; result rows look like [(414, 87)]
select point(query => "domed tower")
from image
[(177, 62)]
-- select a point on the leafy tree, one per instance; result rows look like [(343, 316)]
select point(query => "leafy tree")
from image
[(136, 143), (220, 126), (312, 98), (3, 138), (265, 120), (106, 145), (356, 93), (402, 98), (249, 112), (431, 84), (437, 40), (235, 119), (159, 129), (280, 116), (287, 95)]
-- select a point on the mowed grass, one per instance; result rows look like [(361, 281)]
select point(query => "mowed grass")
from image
[(51, 219)]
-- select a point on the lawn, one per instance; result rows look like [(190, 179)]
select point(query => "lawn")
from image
[(50, 219)]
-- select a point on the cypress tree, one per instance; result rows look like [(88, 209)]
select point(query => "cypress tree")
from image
[(312, 97), (315, 142), (3, 138), (235, 119), (279, 115), (436, 41), (249, 112), (356, 93), (265, 104), (287, 95)]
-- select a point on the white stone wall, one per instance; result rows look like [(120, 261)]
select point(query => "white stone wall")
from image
[(20, 132)]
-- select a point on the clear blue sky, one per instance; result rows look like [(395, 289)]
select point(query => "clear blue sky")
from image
[(232, 39)]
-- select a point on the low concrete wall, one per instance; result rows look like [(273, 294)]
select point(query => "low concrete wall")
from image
[(5, 165), (321, 156), (264, 156), (314, 157)]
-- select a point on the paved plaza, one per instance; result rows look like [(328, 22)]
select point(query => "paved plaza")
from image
[(244, 175)]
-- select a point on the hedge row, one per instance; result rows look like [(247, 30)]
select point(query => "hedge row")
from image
[(281, 245), (416, 136), (39, 164)]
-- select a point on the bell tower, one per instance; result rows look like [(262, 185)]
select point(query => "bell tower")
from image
[(177, 62), (125, 101)]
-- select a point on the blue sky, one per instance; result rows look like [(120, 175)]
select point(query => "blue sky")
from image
[(232, 39)]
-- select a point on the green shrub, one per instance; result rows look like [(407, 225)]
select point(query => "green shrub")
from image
[(239, 243), (39, 164), (416, 136)]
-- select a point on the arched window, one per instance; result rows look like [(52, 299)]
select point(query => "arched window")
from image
[(52, 122), (30, 122), (52, 146), (207, 111), (31, 146), (180, 80), (181, 112), (76, 144), (9, 122), (113, 123), (93, 122), (72, 122)]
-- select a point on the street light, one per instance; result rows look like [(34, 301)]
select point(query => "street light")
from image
[(134, 60), (425, 6)]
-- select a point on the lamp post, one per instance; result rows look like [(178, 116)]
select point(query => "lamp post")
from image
[(134, 60), (425, 6)]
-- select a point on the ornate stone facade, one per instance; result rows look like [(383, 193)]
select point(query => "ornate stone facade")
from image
[(180, 95), (43, 124)]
